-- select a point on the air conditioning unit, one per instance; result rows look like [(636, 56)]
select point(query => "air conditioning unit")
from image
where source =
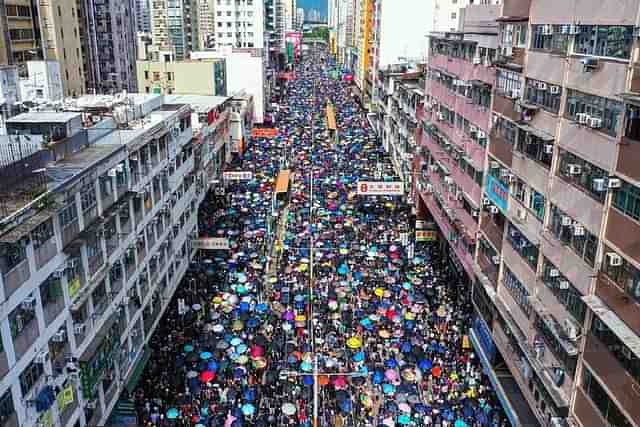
[(554, 90), (473, 129), (578, 230), (548, 148), (41, 358), (448, 180), (595, 122), (59, 336), (475, 213), (504, 173), (566, 220), (29, 303), (542, 86), (515, 93), (547, 30), (614, 183), (574, 169), (493, 164), (563, 284), (486, 201), (599, 185), (570, 329), (522, 214), (79, 329), (557, 422), (575, 29), (613, 259), (481, 135), (582, 118), (493, 209), (590, 63), (554, 272), (477, 60), (440, 117), (496, 260)]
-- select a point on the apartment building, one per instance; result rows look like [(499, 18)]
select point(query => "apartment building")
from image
[(203, 77), (529, 171), (143, 16), (239, 23), (174, 25), (96, 224), (108, 43), (363, 79)]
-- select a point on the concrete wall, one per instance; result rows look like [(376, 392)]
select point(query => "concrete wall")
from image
[(614, 12)]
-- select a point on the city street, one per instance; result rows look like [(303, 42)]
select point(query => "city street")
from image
[(323, 311)]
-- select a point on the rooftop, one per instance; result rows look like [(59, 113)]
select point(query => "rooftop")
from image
[(198, 103), (44, 117)]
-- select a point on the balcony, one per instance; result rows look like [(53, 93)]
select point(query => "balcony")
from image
[(505, 106), (26, 337), (15, 277), (45, 252), (586, 411), (577, 204), (592, 145), (488, 267), (618, 301), (465, 70), (619, 383)]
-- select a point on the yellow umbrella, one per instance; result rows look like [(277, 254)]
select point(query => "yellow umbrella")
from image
[(300, 318), (217, 300), (302, 268), (379, 292), (354, 342)]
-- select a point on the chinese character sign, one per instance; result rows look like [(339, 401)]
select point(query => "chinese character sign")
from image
[(380, 188)]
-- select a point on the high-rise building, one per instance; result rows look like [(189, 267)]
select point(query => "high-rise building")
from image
[(174, 25), (299, 18), (143, 16), (95, 240), (108, 44), (289, 15), (238, 24), (206, 22), (362, 52), (314, 15), (526, 170)]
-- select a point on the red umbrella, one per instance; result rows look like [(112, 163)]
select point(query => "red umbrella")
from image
[(256, 351), (340, 382), (207, 376), (436, 371)]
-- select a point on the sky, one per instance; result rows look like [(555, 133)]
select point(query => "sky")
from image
[(321, 5)]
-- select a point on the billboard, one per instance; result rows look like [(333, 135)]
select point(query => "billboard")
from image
[(295, 38), (380, 188), (212, 243), (497, 192)]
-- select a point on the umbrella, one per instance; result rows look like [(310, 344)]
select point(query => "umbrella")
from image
[(207, 376), (172, 413), (288, 409), (248, 409), (354, 342), (192, 374), (404, 420), (391, 375), (188, 348), (205, 355)]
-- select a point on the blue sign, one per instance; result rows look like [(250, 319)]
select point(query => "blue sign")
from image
[(497, 192), (484, 337)]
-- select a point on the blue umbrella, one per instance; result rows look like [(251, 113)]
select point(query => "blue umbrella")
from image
[(212, 365), (188, 348), (172, 413), (358, 357), (205, 355), (307, 380), (248, 409), (391, 363), (425, 364), (388, 388)]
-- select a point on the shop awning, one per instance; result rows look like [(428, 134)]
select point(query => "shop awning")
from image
[(613, 322), (331, 118), (282, 183)]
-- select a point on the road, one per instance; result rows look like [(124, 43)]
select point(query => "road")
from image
[(332, 324)]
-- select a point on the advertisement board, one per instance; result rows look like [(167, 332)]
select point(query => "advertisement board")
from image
[(497, 192), (238, 175), (380, 188), (425, 236), (213, 243)]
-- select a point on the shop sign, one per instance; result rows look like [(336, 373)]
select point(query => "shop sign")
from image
[(484, 337), (425, 236), (497, 192), (380, 188), (213, 243), (238, 176)]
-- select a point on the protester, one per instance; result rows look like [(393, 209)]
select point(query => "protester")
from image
[(381, 334)]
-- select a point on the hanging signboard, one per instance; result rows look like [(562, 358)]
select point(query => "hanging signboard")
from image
[(264, 132), (425, 235), (238, 176), (213, 243), (380, 188)]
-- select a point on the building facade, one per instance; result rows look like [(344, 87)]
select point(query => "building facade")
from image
[(143, 16), (239, 24), (174, 25), (526, 169), (92, 250)]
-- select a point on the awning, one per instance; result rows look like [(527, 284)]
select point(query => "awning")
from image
[(535, 132), (613, 322), (282, 183), (26, 226), (136, 374)]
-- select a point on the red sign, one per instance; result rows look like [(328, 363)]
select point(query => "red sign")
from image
[(264, 132)]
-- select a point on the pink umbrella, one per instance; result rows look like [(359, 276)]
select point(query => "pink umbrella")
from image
[(404, 407), (391, 375), (256, 351), (207, 376), (340, 383)]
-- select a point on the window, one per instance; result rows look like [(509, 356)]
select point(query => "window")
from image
[(527, 250), (6, 405), (51, 291), (550, 38), (69, 213), (169, 76), (454, 15), (604, 40), (602, 401), (530, 198), (583, 174), (30, 376), (42, 233), (507, 82), (563, 290), (88, 197), (627, 276), (21, 34), (517, 291), (632, 122), (627, 200), (546, 96), (607, 110), (505, 129), (618, 349), (574, 235), (551, 340), (535, 147), (156, 76)]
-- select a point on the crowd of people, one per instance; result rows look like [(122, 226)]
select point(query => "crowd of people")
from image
[(322, 311)]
